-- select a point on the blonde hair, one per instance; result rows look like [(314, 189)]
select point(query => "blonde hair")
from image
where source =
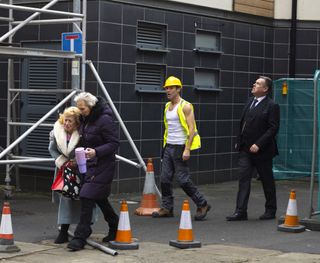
[(71, 112), (89, 99)]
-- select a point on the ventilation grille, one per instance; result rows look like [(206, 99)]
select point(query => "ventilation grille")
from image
[(150, 77), (37, 141), (42, 75), (150, 35)]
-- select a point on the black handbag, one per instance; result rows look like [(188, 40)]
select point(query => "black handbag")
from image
[(71, 183)]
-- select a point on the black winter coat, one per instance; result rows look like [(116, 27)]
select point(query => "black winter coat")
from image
[(99, 131)]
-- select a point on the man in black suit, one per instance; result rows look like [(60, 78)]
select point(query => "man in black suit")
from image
[(257, 146)]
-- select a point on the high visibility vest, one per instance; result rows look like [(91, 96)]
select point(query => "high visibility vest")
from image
[(196, 143)]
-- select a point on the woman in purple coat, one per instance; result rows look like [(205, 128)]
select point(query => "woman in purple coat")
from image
[(99, 135)]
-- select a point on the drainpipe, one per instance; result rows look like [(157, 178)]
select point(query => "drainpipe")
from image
[(293, 40)]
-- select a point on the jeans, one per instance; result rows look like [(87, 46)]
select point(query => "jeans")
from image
[(172, 163)]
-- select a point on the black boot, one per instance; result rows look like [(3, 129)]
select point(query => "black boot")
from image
[(63, 234), (76, 244), (111, 236)]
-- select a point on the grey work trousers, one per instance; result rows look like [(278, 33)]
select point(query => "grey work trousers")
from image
[(172, 164)]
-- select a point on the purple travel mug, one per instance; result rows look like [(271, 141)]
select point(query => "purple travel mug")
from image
[(81, 159)]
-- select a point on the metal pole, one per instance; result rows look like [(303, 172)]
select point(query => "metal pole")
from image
[(26, 159), (84, 44), (8, 188), (116, 113), (39, 10), (51, 21), (11, 123), (98, 246), (124, 129), (13, 30), (5, 19), (44, 91), (315, 140), (27, 132), (120, 158), (75, 66), (31, 160)]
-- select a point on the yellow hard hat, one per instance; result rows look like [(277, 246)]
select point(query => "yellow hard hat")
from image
[(172, 81)]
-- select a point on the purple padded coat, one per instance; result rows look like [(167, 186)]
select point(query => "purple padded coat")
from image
[(99, 131)]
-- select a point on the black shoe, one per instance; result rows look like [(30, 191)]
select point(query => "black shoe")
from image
[(267, 216), (237, 217), (202, 212), (76, 244), (110, 237), (61, 238)]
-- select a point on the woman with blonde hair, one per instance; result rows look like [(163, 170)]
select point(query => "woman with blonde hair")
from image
[(63, 140)]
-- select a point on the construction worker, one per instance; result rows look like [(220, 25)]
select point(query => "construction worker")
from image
[(180, 137)]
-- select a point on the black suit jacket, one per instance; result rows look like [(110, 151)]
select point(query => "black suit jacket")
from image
[(260, 126)]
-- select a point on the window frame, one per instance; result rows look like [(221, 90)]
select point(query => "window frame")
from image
[(208, 50)]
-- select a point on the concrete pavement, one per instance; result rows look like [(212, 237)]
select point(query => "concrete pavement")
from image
[(154, 253), (34, 223)]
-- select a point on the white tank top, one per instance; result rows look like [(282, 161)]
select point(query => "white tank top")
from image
[(176, 134)]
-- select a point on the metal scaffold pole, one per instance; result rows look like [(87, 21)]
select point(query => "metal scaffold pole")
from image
[(75, 67), (84, 43), (117, 115), (54, 109), (315, 142), (8, 187)]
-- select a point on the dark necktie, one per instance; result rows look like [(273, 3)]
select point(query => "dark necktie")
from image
[(254, 103)]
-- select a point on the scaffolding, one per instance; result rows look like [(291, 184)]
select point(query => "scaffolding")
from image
[(9, 51)]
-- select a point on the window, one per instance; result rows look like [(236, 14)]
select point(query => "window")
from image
[(206, 79), (150, 77), (151, 36), (208, 41)]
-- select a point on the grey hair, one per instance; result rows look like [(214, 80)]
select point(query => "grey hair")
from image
[(89, 99)]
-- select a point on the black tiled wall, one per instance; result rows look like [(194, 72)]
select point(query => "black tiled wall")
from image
[(249, 50)]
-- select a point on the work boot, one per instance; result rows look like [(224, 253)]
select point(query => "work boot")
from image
[(76, 244), (202, 212), (110, 237), (63, 234), (163, 212)]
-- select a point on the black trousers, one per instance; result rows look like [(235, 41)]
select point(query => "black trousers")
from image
[(83, 229), (264, 168), (172, 164)]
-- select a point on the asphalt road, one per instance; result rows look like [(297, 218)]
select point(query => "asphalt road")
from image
[(34, 219)]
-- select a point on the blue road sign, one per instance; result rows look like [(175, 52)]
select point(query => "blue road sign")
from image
[(72, 41)]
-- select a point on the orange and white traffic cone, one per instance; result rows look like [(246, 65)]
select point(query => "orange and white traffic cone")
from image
[(149, 203), (291, 222), (124, 237), (6, 233), (185, 234)]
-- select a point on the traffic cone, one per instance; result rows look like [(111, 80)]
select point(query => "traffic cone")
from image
[(124, 237), (185, 235), (6, 234), (149, 203), (291, 222)]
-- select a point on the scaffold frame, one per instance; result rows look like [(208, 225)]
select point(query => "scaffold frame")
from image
[(8, 50)]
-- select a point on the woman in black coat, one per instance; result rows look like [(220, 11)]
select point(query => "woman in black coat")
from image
[(99, 136)]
